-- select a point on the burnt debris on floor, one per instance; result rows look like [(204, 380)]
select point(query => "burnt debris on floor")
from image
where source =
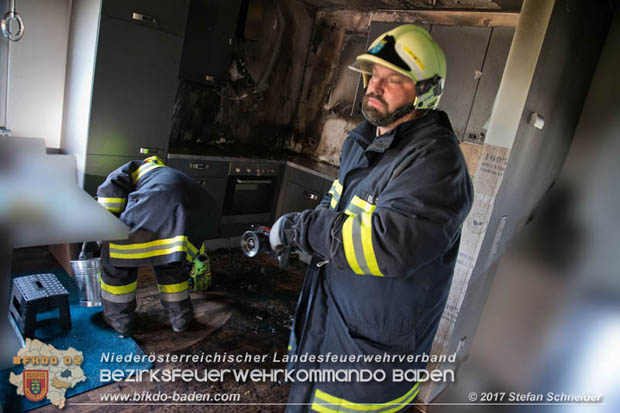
[(249, 309)]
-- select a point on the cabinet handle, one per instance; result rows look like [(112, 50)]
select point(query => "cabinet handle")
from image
[(144, 18), (311, 195), (198, 166), (149, 151)]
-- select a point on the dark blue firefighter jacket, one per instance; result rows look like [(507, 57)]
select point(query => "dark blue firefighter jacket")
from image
[(390, 230)]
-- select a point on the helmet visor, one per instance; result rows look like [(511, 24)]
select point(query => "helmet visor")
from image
[(365, 63)]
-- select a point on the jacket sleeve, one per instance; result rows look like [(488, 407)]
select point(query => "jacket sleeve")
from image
[(416, 218), (332, 197), (113, 193)]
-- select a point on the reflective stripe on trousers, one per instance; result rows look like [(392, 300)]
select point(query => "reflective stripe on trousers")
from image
[(174, 292), (118, 293), (180, 243)]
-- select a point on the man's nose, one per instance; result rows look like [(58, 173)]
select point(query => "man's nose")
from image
[(375, 86)]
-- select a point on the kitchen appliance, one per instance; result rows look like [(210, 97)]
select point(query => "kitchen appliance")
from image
[(252, 190)]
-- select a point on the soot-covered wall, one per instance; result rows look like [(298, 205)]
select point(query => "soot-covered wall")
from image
[(289, 87), (257, 105), (326, 109)]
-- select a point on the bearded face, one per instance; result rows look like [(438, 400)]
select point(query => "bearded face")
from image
[(389, 96), (375, 110)]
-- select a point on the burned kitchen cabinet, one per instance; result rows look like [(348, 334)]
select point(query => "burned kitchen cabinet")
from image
[(122, 77), (208, 44), (303, 188), (211, 174)]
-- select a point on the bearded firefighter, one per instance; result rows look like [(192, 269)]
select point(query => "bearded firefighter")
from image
[(385, 239)]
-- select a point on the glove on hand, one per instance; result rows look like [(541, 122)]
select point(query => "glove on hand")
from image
[(282, 234)]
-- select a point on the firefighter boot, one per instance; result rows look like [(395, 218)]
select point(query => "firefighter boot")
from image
[(120, 319), (179, 313)]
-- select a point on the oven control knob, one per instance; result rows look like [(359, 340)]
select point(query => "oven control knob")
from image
[(238, 170), (248, 170)]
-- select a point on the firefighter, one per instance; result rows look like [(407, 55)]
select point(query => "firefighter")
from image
[(385, 239), (169, 215)]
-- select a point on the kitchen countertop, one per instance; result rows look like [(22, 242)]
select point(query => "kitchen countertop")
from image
[(312, 166), (231, 153), (212, 151)]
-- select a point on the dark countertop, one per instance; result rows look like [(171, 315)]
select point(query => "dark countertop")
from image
[(225, 150), (245, 152), (312, 166)]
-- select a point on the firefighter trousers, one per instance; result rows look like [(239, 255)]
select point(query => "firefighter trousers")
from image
[(118, 293)]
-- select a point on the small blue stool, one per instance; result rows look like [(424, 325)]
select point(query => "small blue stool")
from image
[(34, 294)]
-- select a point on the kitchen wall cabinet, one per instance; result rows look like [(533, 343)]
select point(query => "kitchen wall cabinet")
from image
[(122, 77), (465, 49), (208, 44), (492, 71)]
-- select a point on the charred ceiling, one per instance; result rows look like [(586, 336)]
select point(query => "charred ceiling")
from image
[(497, 5)]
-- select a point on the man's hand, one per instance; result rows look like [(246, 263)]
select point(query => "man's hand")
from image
[(282, 235)]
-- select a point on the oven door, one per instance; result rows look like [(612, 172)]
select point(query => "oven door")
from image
[(250, 195)]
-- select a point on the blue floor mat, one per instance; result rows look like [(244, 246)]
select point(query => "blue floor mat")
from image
[(89, 334)]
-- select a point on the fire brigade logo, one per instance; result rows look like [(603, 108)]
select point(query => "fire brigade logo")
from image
[(48, 373), (377, 48), (35, 384)]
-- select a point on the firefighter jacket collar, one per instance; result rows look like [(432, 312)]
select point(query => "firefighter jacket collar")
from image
[(365, 133)]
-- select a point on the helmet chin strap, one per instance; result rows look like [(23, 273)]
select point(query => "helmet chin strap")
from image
[(397, 114)]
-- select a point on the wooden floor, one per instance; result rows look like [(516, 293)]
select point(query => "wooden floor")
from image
[(249, 310)]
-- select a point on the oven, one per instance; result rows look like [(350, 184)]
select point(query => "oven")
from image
[(252, 189)]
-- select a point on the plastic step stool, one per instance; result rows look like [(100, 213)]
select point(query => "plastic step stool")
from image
[(34, 294)]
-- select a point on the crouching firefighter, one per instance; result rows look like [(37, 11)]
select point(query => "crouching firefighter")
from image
[(384, 239), (169, 215)]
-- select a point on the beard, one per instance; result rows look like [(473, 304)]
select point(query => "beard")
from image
[(378, 118), (373, 114)]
